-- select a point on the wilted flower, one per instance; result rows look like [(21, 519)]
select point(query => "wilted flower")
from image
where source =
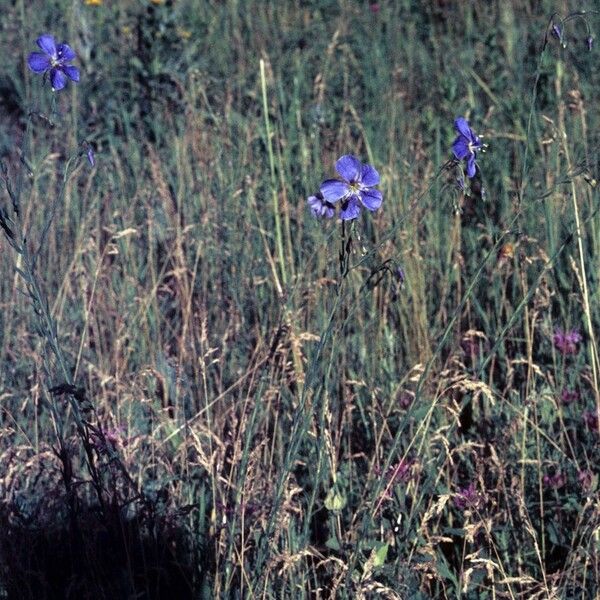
[(54, 60), (468, 497), (566, 341), (320, 207), (507, 251), (466, 145), (357, 186)]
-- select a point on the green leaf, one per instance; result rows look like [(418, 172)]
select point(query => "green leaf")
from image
[(333, 543), (380, 555)]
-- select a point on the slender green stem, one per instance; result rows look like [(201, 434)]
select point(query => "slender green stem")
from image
[(274, 194)]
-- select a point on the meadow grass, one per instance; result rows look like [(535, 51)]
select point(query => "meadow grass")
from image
[(208, 393)]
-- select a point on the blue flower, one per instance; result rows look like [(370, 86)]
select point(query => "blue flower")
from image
[(556, 31), (466, 145), (321, 207), (54, 60), (357, 186), (400, 275), (90, 156)]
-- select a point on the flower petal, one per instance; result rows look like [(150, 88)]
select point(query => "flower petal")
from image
[(349, 168), (316, 205), (369, 176), (462, 126), (471, 168), (71, 72), (351, 210), (47, 44), (38, 62), (460, 147), (90, 156), (372, 199), (334, 190), (58, 79), (65, 53)]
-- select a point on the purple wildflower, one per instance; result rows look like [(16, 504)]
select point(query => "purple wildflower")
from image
[(590, 42), (590, 417), (108, 440), (466, 145), (566, 341), (555, 481), (54, 60), (357, 187), (400, 275), (568, 396), (468, 497), (400, 473), (321, 207), (405, 400), (585, 479), (90, 156), (557, 32)]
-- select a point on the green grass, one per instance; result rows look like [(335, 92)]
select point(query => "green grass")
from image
[(264, 399)]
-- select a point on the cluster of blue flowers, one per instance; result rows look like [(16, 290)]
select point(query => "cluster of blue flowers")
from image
[(357, 183)]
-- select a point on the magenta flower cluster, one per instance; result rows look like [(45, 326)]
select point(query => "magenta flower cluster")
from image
[(468, 497), (567, 342), (555, 481), (569, 396)]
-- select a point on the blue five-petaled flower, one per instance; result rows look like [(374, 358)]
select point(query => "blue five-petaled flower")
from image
[(54, 60), (466, 145), (356, 187)]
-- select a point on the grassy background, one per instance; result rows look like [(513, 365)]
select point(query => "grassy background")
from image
[(308, 436)]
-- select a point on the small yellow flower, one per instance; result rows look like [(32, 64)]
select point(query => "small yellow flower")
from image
[(93, 2), (156, 1), (507, 251), (506, 254), (184, 34)]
